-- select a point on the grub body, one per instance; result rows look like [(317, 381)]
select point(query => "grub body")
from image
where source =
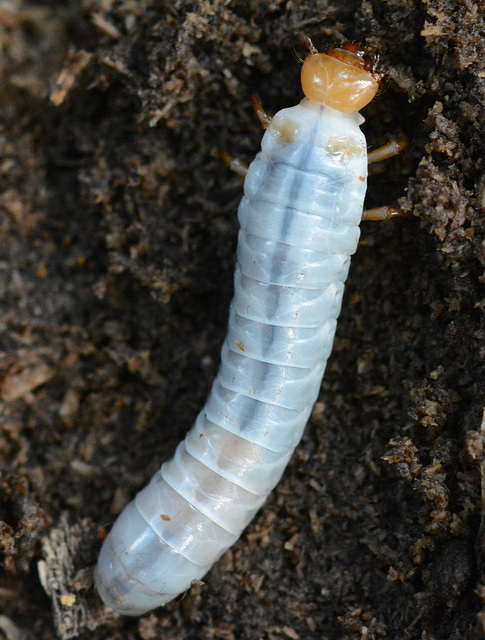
[(299, 217)]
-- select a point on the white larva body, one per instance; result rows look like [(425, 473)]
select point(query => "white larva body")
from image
[(299, 219)]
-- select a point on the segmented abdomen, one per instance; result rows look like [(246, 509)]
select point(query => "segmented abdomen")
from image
[(299, 215)]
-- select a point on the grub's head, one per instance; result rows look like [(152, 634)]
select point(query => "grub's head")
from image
[(342, 79)]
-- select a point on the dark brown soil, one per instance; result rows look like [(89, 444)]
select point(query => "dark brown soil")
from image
[(118, 236)]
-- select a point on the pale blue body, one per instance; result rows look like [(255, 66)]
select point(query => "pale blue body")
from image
[(299, 219)]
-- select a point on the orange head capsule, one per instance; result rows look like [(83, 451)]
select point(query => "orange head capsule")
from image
[(341, 79)]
